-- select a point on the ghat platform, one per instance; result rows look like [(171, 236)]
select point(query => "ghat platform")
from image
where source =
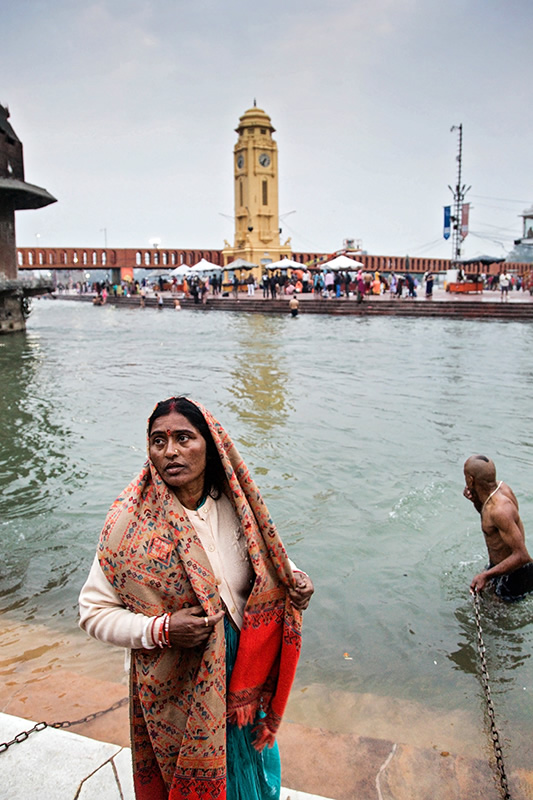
[(394, 753), (482, 306)]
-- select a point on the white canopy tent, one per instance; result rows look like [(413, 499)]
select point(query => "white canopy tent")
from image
[(159, 273), (342, 262), (240, 263), (206, 266), (202, 266), (284, 263), (179, 272)]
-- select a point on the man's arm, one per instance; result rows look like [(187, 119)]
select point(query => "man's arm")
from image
[(505, 518)]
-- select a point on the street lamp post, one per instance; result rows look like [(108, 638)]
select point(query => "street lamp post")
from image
[(458, 193)]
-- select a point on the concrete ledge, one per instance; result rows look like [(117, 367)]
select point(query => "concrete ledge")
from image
[(62, 765)]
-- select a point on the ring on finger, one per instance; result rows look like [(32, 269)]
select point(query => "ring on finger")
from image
[(206, 622)]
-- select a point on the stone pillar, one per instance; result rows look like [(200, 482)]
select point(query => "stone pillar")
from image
[(12, 304), (8, 256)]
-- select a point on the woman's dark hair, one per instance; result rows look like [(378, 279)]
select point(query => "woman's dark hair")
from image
[(215, 477)]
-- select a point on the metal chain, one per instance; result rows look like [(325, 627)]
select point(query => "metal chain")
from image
[(490, 706), (40, 726)]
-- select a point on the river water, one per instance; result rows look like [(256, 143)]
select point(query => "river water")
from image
[(356, 431)]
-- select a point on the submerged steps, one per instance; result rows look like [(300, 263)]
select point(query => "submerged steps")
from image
[(381, 759), (514, 311), (522, 311)]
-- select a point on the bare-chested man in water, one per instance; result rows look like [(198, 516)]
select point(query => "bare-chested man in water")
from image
[(510, 569)]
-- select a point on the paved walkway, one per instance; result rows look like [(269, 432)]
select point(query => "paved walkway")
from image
[(487, 295), (439, 294), (61, 765)]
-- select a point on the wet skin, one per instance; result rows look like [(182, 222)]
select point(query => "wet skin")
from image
[(501, 526)]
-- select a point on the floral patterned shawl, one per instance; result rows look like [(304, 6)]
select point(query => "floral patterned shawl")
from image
[(151, 555)]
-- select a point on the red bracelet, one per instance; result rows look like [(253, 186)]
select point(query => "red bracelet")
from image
[(163, 635), (152, 630), (160, 641)]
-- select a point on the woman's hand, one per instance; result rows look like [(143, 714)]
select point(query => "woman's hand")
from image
[(301, 595), (190, 627)]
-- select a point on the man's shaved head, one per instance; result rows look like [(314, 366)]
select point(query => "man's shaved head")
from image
[(481, 469)]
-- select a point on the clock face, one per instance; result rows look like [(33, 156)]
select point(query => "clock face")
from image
[(264, 160), (240, 162)]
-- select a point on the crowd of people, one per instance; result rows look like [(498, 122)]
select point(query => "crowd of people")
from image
[(512, 282), (324, 283), (331, 284), (274, 284)]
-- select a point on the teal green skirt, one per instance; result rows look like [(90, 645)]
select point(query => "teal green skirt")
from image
[(250, 775)]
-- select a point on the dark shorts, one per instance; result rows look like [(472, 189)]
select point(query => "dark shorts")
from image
[(515, 585)]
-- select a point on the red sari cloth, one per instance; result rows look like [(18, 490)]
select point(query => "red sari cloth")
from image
[(151, 555)]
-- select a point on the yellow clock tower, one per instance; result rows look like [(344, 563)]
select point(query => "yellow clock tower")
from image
[(256, 193)]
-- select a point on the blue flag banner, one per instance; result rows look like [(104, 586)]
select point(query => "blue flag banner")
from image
[(447, 220)]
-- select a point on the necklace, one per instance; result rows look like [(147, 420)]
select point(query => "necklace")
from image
[(490, 495)]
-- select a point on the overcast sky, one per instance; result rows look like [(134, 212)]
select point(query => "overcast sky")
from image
[(127, 111)]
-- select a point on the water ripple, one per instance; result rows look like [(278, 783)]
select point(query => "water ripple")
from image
[(356, 430)]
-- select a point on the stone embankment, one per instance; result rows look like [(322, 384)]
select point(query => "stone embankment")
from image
[(15, 303), (482, 306), (392, 751)]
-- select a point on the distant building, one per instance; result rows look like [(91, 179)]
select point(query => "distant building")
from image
[(257, 231), (527, 217), (15, 194)]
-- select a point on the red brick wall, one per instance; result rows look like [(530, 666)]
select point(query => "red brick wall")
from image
[(160, 258)]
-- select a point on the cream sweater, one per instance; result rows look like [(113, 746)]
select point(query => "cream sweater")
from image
[(103, 616)]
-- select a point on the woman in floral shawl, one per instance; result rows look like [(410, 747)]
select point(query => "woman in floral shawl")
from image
[(191, 575)]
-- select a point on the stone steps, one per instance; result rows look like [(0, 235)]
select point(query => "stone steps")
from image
[(401, 308), (521, 310), (315, 760), (334, 744)]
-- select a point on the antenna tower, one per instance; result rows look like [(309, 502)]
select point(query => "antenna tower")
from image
[(459, 193)]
